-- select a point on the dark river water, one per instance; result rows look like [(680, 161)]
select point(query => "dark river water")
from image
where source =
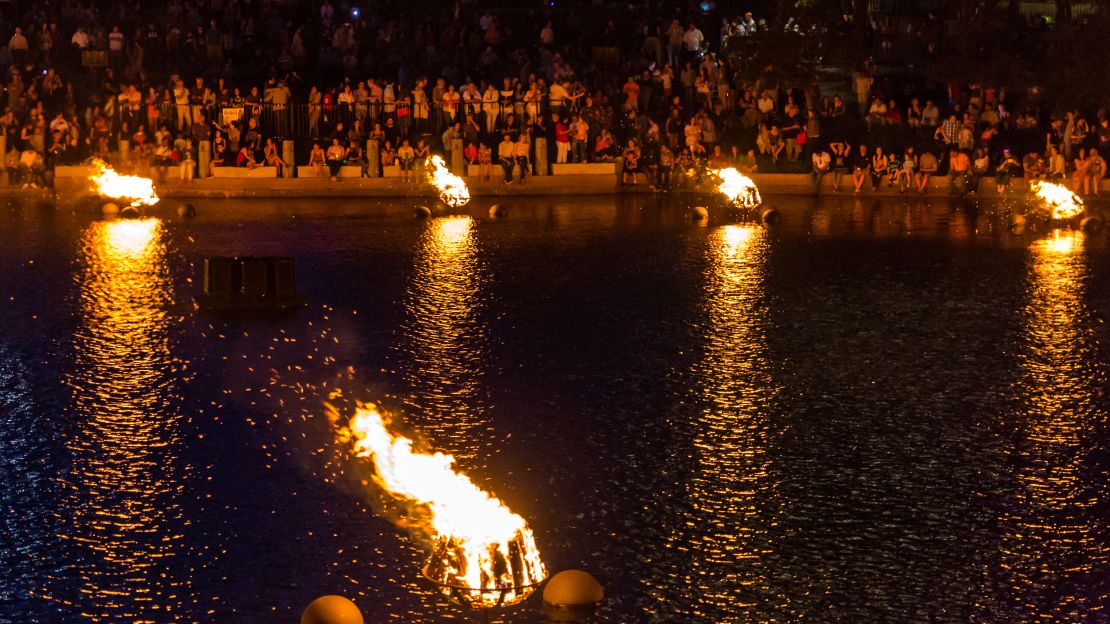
[(885, 411)]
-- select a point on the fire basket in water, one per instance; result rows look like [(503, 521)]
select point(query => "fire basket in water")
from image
[(1058, 199), (484, 555), (737, 187), (134, 189), (452, 189)]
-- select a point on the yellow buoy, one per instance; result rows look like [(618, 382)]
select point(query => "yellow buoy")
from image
[(572, 588), (109, 209), (699, 213), (497, 211), (331, 610), (422, 212)]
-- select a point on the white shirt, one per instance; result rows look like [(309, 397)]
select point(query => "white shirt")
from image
[(693, 39)]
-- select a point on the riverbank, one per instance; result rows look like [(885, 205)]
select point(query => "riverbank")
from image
[(73, 182)]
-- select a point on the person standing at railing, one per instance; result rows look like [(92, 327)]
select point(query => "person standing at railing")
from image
[(196, 99), (559, 97), (436, 101), (472, 99), (532, 101), (362, 97), (490, 108), (403, 111), (278, 98), (375, 101), (507, 95), (346, 101), (420, 107), (181, 101)]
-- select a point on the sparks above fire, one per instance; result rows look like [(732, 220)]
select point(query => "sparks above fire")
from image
[(484, 555), (1058, 199), (452, 189), (139, 191)]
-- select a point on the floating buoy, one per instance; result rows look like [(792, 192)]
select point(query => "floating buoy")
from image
[(130, 212), (497, 211), (1091, 224), (699, 213), (1017, 224), (331, 610), (573, 588), (186, 210), (422, 212), (770, 216), (109, 209)]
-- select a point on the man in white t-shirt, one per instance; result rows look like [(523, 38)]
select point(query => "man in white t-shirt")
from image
[(693, 40), (558, 96)]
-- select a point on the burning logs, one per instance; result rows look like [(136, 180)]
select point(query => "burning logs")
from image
[(484, 555), (505, 574), (452, 189)]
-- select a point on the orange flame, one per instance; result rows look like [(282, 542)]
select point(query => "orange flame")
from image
[(737, 187), (485, 555), (139, 191), (452, 189), (1058, 198)]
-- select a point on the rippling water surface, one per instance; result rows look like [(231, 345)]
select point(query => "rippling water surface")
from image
[(877, 411)]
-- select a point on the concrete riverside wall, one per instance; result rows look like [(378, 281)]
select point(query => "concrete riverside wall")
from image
[(592, 179)]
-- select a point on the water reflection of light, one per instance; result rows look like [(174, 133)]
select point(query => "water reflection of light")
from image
[(1051, 546), (722, 537), (130, 237), (444, 346), (125, 480)]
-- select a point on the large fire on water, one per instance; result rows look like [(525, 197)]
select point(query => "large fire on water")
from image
[(452, 189), (484, 555), (1058, 199), (138, 191), (737, 187)]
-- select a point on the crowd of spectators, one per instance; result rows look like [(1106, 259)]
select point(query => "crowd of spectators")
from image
[(148, 85)]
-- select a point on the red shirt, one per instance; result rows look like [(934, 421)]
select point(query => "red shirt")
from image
[(562, 133)]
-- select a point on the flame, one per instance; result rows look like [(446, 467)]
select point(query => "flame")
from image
[(139, 191), (737, 187), (1058, 198), (452, 189), (485, 555)]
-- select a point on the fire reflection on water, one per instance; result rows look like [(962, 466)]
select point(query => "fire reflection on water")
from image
[(723, 537), (444, 338), (125, 480), (1049, 540)]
